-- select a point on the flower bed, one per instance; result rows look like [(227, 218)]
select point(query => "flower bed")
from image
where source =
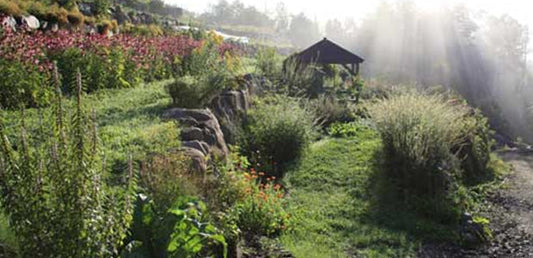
[(106, 62)]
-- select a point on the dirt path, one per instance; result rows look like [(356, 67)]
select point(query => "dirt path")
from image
[(511, 210), (521, 188)]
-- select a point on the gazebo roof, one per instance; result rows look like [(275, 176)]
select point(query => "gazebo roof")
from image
[(327, 52)]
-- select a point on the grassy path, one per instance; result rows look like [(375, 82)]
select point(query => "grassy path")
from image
[(329, 196)]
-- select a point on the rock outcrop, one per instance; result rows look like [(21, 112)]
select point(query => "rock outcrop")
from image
[(201, 135), (230, 108)]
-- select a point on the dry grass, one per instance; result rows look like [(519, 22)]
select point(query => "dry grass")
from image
[(10, 8)]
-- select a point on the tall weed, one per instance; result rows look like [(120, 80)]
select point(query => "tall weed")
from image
[(54, 190)]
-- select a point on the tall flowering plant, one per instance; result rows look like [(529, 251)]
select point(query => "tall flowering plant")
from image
[(107, 62)]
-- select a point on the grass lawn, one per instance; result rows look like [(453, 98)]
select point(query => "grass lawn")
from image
[(332, 203), (128, 122)]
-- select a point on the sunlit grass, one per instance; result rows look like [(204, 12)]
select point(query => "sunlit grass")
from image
[(330, 199)]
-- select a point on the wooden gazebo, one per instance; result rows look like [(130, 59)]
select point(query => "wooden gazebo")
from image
[(327, 52)]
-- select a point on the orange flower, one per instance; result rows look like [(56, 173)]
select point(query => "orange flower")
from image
[(261, 173), (277, 187)]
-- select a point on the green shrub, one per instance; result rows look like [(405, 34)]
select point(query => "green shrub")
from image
[(276, 133), (101, 7), (203, 75), (166, 177), (301, 79), (113, 72), (474, 151), (8, 239), (53, 187), (184, 92), (195, 92), (268, 63), (419, 133), (183, 230), (327, 110), (38, 10), (150, 30), (22, 85), (261, 212)]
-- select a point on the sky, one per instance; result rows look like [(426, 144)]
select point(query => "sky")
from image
[(357, 9)]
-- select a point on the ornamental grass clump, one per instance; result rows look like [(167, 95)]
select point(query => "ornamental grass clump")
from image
[(276, 133), (425, 139)]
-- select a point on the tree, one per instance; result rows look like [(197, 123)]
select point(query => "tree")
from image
[(101, 7), (303, 31), (157, 6), (282, 18), (335, 30)]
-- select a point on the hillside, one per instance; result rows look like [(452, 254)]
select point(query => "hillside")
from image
[(139, 140)]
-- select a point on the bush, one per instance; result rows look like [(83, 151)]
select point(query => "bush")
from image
[(54, 190), (474, 151), (75, 19), (168, 220), (150, 30), (112, 71), (261, 212), (276, 133), (184, 92), (421, 135), (204, 75), (57, 14), (22, 85), (38, 10), (166, 177), (268, 63), (10, 8), (183, 230), (301, 79), (327, 110)]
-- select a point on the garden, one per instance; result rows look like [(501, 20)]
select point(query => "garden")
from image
[(309, 165)]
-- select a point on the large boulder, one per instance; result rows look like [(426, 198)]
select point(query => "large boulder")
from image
[(198, 160), (230, 107), (9, 22), (201, 132), (30, 22)]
